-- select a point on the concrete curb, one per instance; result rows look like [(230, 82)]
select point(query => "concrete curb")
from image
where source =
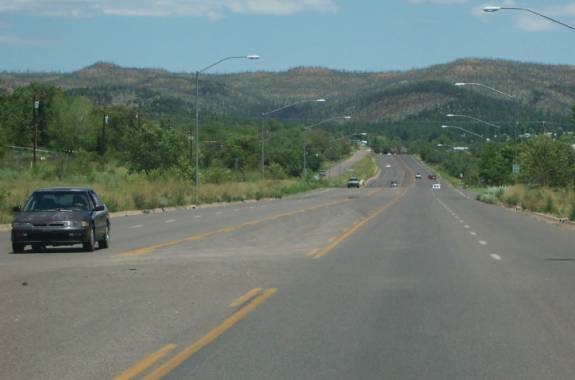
[(120, 214)]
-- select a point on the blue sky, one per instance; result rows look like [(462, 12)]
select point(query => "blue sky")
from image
[(364, 35)]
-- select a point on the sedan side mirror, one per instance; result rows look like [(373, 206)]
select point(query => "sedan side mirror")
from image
[(99, 208), (17, 209)]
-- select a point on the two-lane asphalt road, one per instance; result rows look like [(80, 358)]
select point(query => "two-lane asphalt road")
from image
[(375, 283)]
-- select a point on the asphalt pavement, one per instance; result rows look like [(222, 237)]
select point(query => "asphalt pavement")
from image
[(370, 283)]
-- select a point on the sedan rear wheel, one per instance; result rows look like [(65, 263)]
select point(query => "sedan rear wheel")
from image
[(91, 244)]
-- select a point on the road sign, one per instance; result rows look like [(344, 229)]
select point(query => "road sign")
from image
[(516, 168)]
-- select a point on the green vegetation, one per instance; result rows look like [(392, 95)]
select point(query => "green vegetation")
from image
[(137, 161), (364, 169), (560, 202)]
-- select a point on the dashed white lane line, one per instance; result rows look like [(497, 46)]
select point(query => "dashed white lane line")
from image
[(136, 226), (170, 221), (473, 233), (467, 226), (219, 212), (197, 216), (482, 242), (461, 221), (495, 256)]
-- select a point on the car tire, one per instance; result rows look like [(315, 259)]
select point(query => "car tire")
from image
[(105, 242), (18, 248), (90, 245)]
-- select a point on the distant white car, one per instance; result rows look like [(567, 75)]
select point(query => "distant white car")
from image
[(436, 186), (388, 166)]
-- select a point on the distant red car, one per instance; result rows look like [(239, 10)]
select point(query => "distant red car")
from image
[(432, 177)]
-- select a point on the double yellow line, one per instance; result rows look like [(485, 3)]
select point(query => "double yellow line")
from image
[(408, 179), (188, 352)]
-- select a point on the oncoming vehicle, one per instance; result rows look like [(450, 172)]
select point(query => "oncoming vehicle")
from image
[(353, 182), (61, 216), (418, 176), (436, 186), (432, 177), (393, 183)]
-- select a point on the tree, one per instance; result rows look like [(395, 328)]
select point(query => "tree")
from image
[(546, 162)]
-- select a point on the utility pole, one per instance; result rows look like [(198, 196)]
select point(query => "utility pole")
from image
[(104, 126), (35, 122)]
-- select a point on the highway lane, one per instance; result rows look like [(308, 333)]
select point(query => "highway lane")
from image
[(100, 313), (437, 287), (403, 283)]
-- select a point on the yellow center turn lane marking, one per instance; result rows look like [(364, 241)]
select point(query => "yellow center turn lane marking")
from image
[(187, 353), (155, 247), (146, 363), (347, 233), (245, 298), (151, 248)]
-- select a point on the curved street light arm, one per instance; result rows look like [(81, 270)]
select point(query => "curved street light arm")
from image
[(464, 130), (227, 59), (476, 119), (487, 87), (327, 121), (495, 9), (293, 105)]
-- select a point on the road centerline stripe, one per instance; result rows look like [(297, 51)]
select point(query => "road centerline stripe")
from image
[(245, 297), (146, 363), (495, 256), (188, 352)]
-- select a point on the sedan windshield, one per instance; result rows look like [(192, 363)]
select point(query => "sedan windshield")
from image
[(58, 201)]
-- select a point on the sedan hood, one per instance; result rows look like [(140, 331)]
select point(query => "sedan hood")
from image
[(37, 217)]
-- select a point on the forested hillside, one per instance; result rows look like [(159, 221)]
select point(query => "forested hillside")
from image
[(542, 91)]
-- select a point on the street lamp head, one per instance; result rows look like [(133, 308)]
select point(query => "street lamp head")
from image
[(460, 84), (321, 100), (450, 115), (491, 8), (347, 117), (253, 56), (445, 126)]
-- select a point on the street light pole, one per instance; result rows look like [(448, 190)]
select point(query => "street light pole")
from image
[(198, 72), (35, 108), (501, 93), (320, 100), (491, 9), (305, 139)]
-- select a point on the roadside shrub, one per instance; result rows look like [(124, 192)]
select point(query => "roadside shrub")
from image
[(276, 171), (572, 213)]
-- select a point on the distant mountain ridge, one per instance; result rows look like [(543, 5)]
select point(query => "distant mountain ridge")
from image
[(540, 90)]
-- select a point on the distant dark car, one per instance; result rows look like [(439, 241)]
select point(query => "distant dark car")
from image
[(61, 216), (353, 182), (432, 177), (393, 184)]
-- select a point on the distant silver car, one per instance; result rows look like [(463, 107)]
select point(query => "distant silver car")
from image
[(353, 182), (418, 176), (436, 186)]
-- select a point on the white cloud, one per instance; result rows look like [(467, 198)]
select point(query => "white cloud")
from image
[(165, 8), (14, 40)]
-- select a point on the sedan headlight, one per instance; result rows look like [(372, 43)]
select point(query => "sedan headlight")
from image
[(21, 225)]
